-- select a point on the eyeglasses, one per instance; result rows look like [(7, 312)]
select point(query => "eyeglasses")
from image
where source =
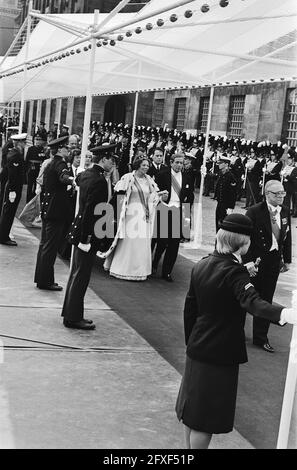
[(278, 193)]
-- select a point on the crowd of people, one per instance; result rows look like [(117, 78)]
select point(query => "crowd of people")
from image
[(131, 204)]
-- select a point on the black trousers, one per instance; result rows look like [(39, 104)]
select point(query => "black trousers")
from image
[(8, 212), (221, 212), (31, 180), (253, 195), (170, 246), (3, 181), (79, 278), (51, 233), (265, 283)]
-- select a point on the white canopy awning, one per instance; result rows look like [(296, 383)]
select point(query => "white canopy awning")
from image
[(247, 41)]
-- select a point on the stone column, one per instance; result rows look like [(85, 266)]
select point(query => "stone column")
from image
[(30, 120), (47, 114), (69, 114), (38, 113)]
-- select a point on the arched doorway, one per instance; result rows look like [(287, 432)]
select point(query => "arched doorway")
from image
[(115, 110)]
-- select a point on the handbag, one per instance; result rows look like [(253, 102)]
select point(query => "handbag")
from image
[(30, 212)]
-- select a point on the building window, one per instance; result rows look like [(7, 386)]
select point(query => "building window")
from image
[(179, 113), (158, 113), (235, 117), (203, 113), (292, 121)]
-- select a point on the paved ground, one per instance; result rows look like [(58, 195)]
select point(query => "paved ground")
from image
[(115, 388)]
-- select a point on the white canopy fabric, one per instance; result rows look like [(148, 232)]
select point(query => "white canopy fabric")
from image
[(247, 41)]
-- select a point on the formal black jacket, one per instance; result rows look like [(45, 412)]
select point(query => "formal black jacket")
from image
[(225, 190), (93, 190), (34, 157), (15, 170), (163, 181), (275, 173), (153, 171), (261, 238), (214, 314), (56, 203), (237, 168), (290, 182), (256, 173)]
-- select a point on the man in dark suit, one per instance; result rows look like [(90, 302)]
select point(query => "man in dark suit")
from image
[(93, 184), (175, 213), (34, 158), (55, 207), (254, 173), (225, 190), (157, 164), (270, 240), (13, 187)]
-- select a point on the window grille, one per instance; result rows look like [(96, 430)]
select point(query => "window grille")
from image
[(158, 112), (292, 121), (179, 113), (203, 113), (235, 117)]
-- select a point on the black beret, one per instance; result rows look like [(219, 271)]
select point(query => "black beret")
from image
[(237, 223)]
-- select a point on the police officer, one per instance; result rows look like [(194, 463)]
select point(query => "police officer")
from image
[(225, 190), (34, 158), (13, 188), (55, 207), (219, 296), (94, 189)]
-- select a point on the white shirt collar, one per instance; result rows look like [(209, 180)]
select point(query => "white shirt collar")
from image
[(273, 208)]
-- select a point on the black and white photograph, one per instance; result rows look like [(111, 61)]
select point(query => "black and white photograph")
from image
[(148, 227)]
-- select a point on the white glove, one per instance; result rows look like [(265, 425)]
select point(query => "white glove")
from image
[(264, 170), (84, 247), (203, 170), (288, 315), (252, 269), (229, 211), (38, 190), (12, 196)]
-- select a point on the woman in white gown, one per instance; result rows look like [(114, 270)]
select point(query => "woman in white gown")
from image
[(129, 256)]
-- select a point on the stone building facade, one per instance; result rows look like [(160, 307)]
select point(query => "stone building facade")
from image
[(255, 112)]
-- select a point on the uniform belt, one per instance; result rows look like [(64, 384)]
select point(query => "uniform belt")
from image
[(35, 161)]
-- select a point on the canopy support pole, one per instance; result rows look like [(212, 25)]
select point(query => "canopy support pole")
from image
[(289, 394), (197, 240), (133, 126), (88, 105), (87, 117), (58, 114), (134, 116), (22, 108)]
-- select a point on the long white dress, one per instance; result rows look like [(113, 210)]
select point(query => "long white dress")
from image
[(132, 258)]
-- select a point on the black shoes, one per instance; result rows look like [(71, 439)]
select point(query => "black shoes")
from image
[(79, 325), (9, 243), (266, 347), (53, 287), (167, 277)]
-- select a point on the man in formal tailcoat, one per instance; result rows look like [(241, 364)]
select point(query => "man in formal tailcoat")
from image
[(270, 240), (94, 189), (225, 190), (175, 213), (157, 165), (13, 188), (54, 210)]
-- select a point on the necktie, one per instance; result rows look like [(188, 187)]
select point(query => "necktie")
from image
[(158, 167), (107, 177), (274, 225)]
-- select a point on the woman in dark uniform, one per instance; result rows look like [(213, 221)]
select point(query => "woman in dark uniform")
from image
[(220, 294)]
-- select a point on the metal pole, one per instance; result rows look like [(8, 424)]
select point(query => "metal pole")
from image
[(133, 126), (290, 392), (197, 241), (22, 110), (59, 102), (88, 105), (87, 117)]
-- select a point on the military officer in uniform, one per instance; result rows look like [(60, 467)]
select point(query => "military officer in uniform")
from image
[(225, 190), (95, 188), (34, 158), (13, 188), (55, 207)]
